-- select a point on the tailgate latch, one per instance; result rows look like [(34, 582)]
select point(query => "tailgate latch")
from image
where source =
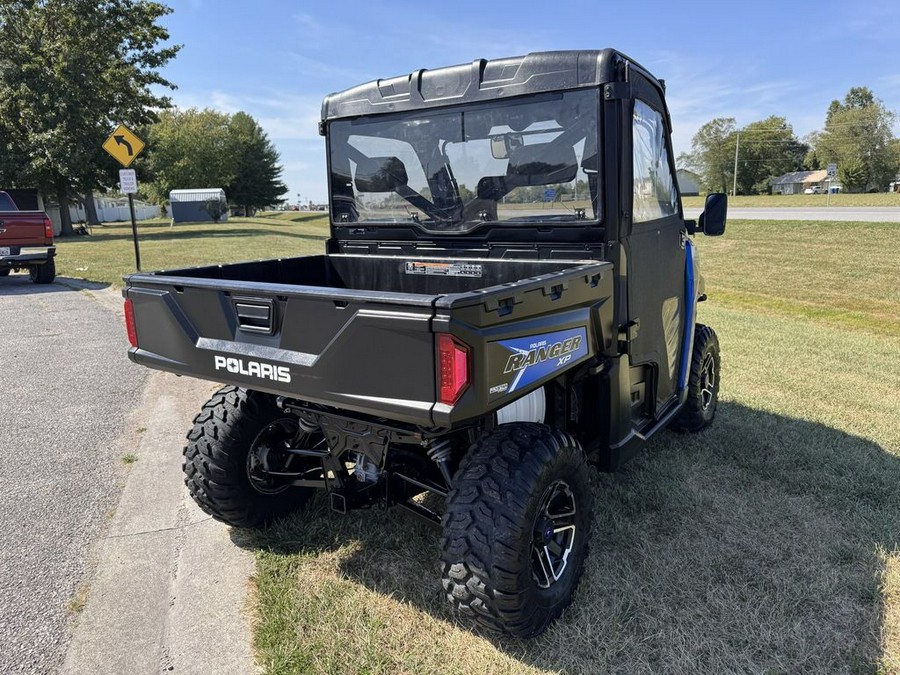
[(255, 315)]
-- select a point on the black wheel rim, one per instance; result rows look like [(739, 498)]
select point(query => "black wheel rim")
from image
[(554, 534), (708, 381), (268, 456)]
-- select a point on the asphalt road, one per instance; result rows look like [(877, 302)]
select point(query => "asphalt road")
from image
[(869, 214), (67, 390)]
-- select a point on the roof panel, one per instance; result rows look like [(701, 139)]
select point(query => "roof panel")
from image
[(480, 80), (196, 194)]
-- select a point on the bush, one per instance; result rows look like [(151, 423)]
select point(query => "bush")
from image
[(216, 208)]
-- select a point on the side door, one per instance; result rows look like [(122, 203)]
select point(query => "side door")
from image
[(656, 256)]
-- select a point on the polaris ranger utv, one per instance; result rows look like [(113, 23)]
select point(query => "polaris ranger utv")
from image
[(508, 295)]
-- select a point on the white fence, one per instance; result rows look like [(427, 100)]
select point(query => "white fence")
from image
[(106, 212)]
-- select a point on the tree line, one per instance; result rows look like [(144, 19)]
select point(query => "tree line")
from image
[(71, 70), (206, 148), (857, 137)]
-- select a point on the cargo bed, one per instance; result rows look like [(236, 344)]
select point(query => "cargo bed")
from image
[(357, 332)]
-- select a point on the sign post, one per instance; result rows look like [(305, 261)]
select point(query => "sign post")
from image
[(832, 172), (124, 145), (549, 195), (128, 184)]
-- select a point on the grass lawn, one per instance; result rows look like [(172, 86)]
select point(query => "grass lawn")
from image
[(109, 254), (875, 199), (768, 543)]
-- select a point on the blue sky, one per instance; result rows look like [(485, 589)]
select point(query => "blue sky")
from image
[(277, 59)]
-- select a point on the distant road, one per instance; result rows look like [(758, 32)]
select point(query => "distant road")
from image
[(869, 214)]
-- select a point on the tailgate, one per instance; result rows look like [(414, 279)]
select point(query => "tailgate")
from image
[(22, 228), (358, 350)]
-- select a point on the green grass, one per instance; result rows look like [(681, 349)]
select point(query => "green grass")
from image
[(109, 254), (769, 543), (841, 274), (844, 199)]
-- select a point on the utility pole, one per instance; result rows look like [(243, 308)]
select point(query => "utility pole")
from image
[(737, 149)]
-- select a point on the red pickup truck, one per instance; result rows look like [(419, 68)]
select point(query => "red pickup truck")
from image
[(26, 242)]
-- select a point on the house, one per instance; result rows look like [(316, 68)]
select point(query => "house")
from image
[(688, 182), (796, 182)]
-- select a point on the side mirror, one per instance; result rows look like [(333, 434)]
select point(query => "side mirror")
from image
[(712, 220)]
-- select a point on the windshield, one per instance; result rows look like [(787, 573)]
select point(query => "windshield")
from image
[(531, 159)]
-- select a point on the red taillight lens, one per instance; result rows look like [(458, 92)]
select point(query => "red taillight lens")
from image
[(129, 322), (48, 228), (454, 365)]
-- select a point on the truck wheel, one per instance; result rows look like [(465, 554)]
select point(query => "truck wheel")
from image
[(516, 528), (43, 274), (237, 438), (703, 383)]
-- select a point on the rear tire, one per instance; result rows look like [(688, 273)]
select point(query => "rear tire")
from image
[(43, 274), (703, 383), (516, 528), (220, 473)]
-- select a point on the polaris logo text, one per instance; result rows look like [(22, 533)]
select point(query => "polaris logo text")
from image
[(265, 371), (541, 352)]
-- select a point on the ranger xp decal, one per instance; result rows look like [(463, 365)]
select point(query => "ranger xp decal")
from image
[(533, 358)]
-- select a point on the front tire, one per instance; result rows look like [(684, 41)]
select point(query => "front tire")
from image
[(43, 274), (236, 436), (516, 528), (703, 383)]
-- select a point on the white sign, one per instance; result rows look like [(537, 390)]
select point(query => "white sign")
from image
[(832, 170), (128, 181)]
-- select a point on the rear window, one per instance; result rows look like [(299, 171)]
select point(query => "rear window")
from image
[(530, 159), (6, 203)]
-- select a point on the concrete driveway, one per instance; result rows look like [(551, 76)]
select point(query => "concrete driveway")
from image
[(66, 392), (105, 566)]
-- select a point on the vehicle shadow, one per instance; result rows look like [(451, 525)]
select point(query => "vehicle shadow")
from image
[(21, 284), (758, 545)]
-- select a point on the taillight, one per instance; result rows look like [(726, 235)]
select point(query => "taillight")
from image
[(129, 322), (454, 368), (48, 228)]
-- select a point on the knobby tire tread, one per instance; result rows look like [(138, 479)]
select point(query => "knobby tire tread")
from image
[(486, 573)]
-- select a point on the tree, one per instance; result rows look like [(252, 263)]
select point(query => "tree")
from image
[(70, 70), (811, 160), (768, 149), (852, 175), (257, 181), (465, 194), (189, 149), (894, 158), (712, 154), (205, 148), (857, 137)]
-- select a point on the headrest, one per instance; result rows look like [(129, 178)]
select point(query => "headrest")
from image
[(380, 174), (542, 164)]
